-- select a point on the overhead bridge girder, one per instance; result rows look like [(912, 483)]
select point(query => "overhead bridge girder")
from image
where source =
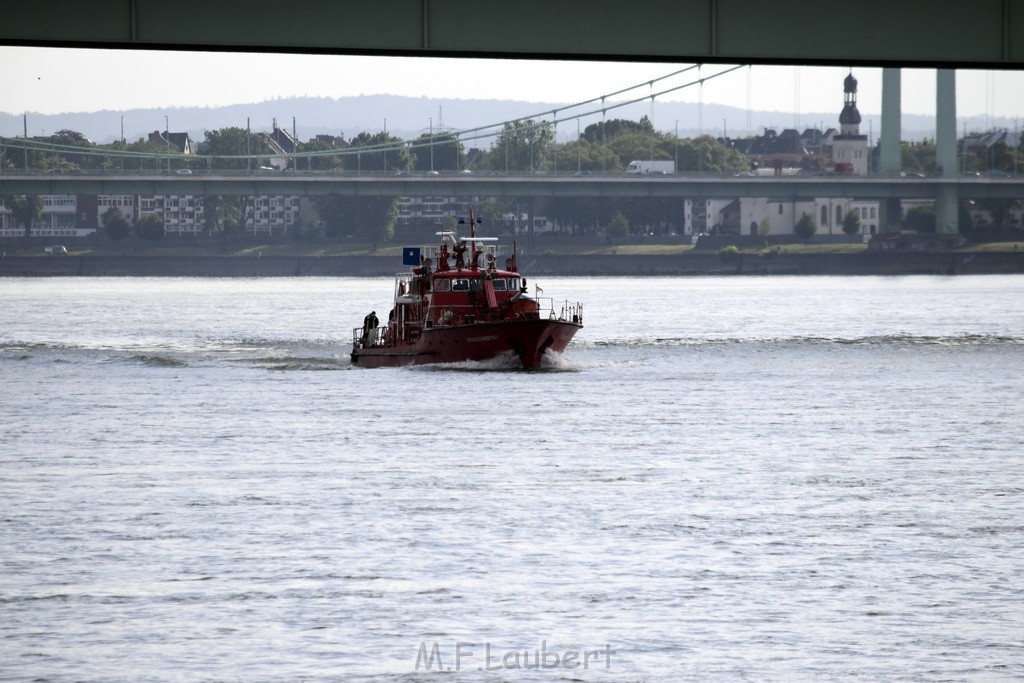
[(953, 33)]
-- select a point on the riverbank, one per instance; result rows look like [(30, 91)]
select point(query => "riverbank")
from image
[(688, 263)]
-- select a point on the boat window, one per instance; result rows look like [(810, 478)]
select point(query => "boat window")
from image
[(442, 285), (499, 284), (460, 284), (513, 284), (476, 285)]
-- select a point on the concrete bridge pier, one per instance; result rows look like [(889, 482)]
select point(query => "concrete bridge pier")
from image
[(947, 197), (890, 163)]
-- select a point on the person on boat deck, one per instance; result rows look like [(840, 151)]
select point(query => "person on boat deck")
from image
[(460, 255), (370, 324)]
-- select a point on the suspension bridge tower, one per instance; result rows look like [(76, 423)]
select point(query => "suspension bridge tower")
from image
[(947, 198)]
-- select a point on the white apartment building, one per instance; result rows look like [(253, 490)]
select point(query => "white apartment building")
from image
[(271, 215), (743, 216), (59, 218), (182, 214), (127, 204)]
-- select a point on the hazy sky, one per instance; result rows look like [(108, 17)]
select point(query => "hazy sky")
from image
[(51, 80)]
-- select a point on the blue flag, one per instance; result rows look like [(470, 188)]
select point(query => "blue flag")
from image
[(410, 256)]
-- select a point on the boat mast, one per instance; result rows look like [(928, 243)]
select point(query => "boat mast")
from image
[(472, 235)]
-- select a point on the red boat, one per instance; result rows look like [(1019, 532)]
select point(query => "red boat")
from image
[(464, 309)]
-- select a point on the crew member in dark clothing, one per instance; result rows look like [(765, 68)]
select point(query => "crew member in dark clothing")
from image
[(370, 324)]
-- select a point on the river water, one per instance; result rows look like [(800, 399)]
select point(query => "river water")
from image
[(722, 478)]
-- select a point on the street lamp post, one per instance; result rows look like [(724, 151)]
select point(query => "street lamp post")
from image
[(431, 120), (579, 149)]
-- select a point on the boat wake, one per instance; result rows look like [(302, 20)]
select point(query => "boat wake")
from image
[(297, 363), (872, 340), (318, 355), (504, 362), (276, 355)]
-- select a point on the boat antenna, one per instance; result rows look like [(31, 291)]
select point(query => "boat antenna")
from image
[(472, 235)]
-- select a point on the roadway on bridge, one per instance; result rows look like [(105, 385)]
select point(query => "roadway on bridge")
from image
[(478, 185)]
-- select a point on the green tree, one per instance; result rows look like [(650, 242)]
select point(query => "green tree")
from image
[(228, 148), (133, 156), (74, 139), (921, 218), (583, 156), (150, 227), (376, 153), (632, 145), (115, 224), (999, 209), (764, 228), (223, 213), (448, 153), (522, 146), (915, 157), (603, 131), (706, 155), (999, 157), (321, 161), (851, 223), (806, 227), (729, 253), (618, 227), (25, 210), (370, 218)]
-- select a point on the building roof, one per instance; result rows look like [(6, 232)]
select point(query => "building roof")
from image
[(849, 115)]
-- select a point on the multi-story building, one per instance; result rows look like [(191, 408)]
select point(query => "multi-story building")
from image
[(181, 214), (127, 204), (63, 215), (271, 215)]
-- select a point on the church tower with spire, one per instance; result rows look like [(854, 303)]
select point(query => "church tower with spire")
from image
[(849, 147)]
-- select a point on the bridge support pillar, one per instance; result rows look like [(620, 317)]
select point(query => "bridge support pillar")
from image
[(947, 203), (890, 161), (891, 153), (946, 199), (890, 215)]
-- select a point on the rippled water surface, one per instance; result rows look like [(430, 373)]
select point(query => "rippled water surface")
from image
[(722, 478)]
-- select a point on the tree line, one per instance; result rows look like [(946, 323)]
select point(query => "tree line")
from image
[(523, 146)]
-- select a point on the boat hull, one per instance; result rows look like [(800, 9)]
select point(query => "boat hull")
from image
[(529, 340)]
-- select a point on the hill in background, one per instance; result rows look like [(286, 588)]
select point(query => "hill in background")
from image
[(408, 117)]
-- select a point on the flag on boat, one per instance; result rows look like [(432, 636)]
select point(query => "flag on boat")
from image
[(410, 256)]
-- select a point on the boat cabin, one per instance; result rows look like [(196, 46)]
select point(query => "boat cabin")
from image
[(465, 288)]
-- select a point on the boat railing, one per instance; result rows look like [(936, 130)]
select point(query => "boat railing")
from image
[(444, 315), (376, 337), (570, 311)]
